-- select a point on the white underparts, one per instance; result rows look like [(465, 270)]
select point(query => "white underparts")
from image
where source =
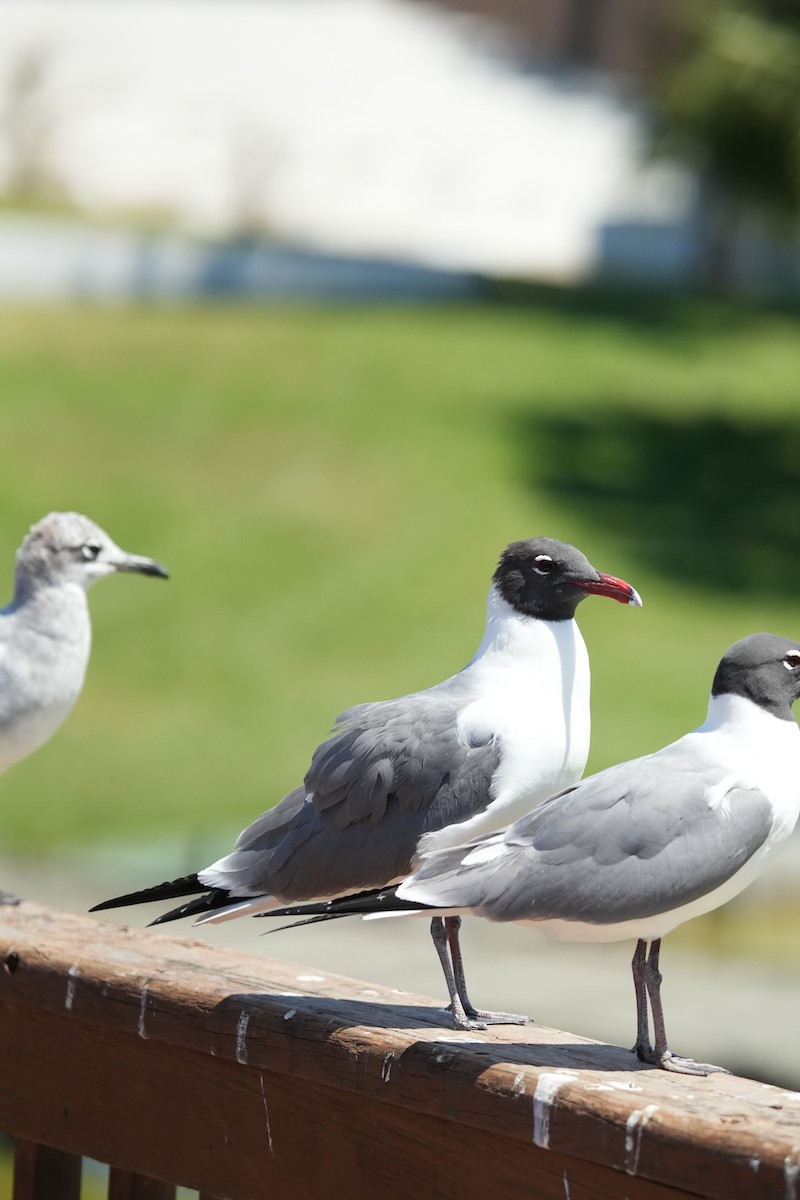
[(531, 684)]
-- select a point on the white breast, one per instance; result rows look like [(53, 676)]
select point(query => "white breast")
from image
[(530, 685), (760, 750), (44, 650)]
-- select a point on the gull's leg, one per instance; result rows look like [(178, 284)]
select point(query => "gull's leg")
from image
[(453, 926), (642, 1048), (661, 1055), (440, 940)]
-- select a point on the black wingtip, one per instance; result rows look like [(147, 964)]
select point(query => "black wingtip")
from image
[(211, 900), (187, 885), (375, 900), (334, 916)]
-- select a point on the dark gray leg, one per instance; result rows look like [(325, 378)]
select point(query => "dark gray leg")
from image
[(453, 926), (661, 1055), (441, 941), (642, 1048)]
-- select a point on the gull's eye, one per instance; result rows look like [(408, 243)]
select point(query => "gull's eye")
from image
[(792, 660), (543, 564), (90, 550)]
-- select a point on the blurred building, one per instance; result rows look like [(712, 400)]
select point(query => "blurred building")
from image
[(507, 140)]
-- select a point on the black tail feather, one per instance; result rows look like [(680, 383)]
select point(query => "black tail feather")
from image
[(207, 900), (375, 900), (215, 898), (187, 885), (299, 924)]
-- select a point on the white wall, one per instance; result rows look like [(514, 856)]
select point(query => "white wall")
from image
[(363, 126)]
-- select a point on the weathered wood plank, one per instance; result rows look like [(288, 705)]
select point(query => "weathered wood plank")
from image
[(248, 1133), (228, 1024), (44, 1173), (125, 1185)]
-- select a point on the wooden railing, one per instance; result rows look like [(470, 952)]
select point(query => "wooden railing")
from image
[(247, 1079)]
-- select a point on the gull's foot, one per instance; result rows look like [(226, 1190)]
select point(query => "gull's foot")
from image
[(468, 1023), (689, 1066), (491, 1018), (462, 1020), (499, 1018), (674, 1062)]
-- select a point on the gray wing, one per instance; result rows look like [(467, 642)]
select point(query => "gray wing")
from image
[(407, 749), (636, 840), (391, 772)]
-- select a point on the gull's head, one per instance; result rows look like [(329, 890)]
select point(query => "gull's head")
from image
[(542, 577), (764, 668), (67, 548)]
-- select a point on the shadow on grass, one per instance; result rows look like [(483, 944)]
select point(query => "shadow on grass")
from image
[(646, 309), (714, 499)]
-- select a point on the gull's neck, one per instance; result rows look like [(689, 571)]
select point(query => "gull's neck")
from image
[(50, 610), (509, 632), (730, 713)]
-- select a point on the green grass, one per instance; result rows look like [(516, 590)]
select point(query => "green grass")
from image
[(330, 490)]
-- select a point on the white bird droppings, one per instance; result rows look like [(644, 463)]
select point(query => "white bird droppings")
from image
[(266, 1114), (72, 974), (613, 1086), (241, 1037), (548, 1084), (634, 1128), (791, 1169), (142, 1011)]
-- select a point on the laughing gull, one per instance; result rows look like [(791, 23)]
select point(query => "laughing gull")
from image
[(45, 632), (430, 769), (637, 849)]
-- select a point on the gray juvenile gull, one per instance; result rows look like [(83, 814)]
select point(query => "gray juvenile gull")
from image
[(430, 769), (637, 849), (45, 633)]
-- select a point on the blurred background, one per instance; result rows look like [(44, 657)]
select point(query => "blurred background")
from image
[(321, 303)]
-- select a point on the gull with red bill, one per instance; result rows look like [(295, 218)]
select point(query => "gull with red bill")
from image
[(637, 849), (398, 779)]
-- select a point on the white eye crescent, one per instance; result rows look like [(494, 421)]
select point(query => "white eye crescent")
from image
[(792, 660), (90, 550), (543, 564)]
